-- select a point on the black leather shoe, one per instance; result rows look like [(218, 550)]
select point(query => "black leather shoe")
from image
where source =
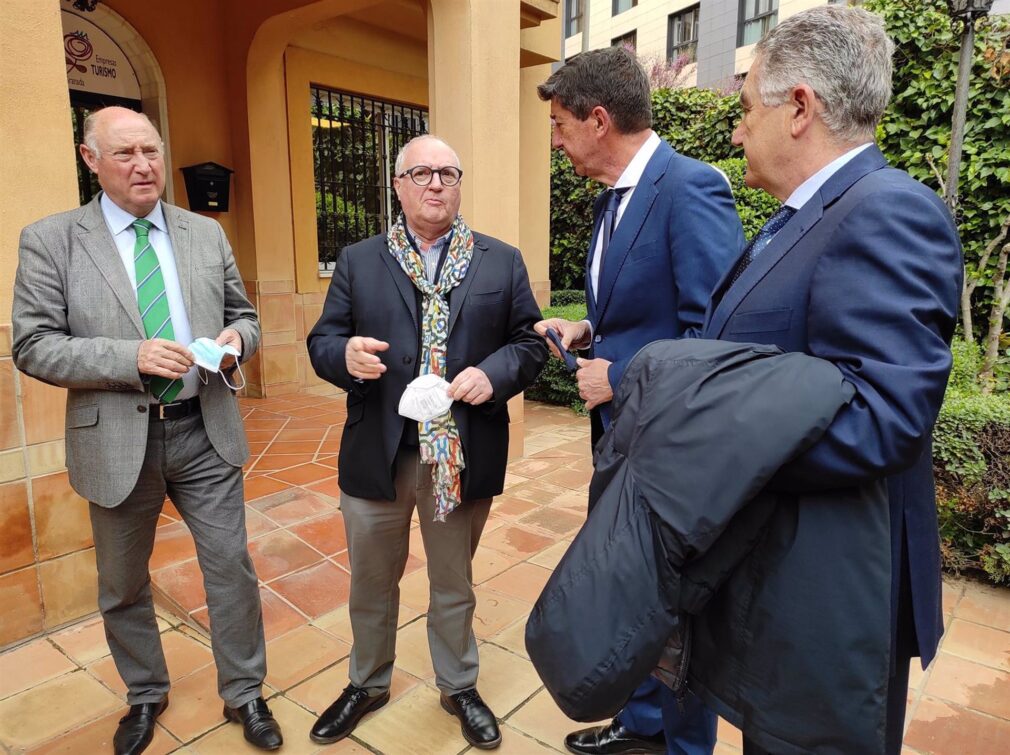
[(136, 728), (479, 726), (258, 723), (614, 738), (339, 719)]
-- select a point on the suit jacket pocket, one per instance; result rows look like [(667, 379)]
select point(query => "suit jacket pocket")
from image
[(82, 416), (484, 298), (761, 321), (643, 252)]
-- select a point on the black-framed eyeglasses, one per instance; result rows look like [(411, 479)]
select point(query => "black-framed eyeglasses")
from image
[(421, 174)]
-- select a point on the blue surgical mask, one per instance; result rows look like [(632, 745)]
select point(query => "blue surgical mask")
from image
[(208, 354)]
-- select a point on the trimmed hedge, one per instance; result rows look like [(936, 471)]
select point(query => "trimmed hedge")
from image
[(971, 463)]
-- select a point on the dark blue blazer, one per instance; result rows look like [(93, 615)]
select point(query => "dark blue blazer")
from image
[(679, 233), (867, 275)]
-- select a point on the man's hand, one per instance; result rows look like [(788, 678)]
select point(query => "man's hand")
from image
[(229, 337), (573, 334), (471, 386), (361, 358), (163, 358), (594, 382)]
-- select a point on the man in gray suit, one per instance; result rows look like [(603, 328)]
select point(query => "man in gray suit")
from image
[(107, 298)]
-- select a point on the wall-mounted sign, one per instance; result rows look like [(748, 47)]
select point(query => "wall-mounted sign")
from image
[(95, 63)]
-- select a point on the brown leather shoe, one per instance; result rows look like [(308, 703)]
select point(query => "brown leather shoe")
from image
[(136, 728), (258, 723)]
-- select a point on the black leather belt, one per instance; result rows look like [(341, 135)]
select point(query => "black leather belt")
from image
[(177, 409)]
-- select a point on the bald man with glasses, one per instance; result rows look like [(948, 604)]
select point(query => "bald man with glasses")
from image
[(434, 301)]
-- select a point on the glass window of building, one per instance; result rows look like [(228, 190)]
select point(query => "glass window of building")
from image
[(757, 17), (573, 17), (682, 34), (629, 40), (619, 6), (355, 140)]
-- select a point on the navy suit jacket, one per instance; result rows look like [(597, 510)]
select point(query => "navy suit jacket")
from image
[(867, 275), (679, 233)]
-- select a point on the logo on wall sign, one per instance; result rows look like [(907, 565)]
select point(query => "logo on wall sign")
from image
[(77, 47)]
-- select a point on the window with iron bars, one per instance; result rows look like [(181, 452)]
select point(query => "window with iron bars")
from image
[(757, 18), (355, 140)]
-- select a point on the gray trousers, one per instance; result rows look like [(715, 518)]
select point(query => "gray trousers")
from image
[(182, 463), (378, 538)]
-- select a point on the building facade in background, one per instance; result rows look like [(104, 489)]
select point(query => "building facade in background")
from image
[(714, 38), (305, 102)]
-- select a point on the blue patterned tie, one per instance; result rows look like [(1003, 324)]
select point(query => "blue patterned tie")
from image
[(763, 238), (609, 215)]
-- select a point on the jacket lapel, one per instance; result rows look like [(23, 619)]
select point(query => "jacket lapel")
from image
[(590, 294), (94, 236), (632, 220), (403, 284), (458, 295), (728, 295), (182, 250)]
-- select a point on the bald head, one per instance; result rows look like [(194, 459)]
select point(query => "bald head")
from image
[(124, 150)]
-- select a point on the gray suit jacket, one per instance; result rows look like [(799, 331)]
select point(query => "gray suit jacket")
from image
[(77, 325)]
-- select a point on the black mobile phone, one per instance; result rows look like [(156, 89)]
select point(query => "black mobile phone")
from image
[(569, 358)]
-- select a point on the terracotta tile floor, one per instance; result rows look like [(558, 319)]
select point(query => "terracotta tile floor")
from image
[(61, 693)]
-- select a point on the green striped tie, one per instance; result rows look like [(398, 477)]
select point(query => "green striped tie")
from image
[(153, 304)]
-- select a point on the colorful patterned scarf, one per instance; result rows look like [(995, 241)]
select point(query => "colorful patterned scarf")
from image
[(439, 438)]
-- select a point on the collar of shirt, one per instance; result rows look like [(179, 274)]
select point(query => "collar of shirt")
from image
[(812, 185), (633, 172), (412, 237), (119, 219)]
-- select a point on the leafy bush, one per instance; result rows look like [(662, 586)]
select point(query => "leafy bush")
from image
[(566, 296), (971, 463), (555, 384)]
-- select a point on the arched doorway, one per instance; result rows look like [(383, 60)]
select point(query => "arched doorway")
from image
[(109, 63)]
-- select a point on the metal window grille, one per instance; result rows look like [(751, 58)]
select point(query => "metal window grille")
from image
[(355, 140), (757, 18), (682, 34)]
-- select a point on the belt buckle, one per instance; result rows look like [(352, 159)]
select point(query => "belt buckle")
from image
[(161, 410)]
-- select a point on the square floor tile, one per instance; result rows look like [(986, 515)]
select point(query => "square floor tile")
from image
[(940, 728), (421, 726), (96, 737), (83, 642), (279, 553), (301, 653), (523, 581), (315, 590), (53, 708), (30, 665), (325, 533), (292, 506)]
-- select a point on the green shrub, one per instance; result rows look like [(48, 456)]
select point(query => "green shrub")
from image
[(555, 384), (568, 296), (971, 463)]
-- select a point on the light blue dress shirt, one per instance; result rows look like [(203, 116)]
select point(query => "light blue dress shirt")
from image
[(120, 224)]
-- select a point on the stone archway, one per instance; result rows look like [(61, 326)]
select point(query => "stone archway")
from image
[(153, 97)]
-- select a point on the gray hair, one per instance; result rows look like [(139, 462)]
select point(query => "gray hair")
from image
[(611, 78), (843, 54), (90, 138), (400, 156)]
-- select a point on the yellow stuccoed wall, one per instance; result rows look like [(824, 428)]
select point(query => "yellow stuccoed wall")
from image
[(236, 76), (37, 177)]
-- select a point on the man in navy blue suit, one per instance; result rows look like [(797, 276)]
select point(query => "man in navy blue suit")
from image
[(665, 232), (861, 266)]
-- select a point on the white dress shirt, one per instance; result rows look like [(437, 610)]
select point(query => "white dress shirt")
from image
[(812, 185), (629, 179), (120, 224)]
